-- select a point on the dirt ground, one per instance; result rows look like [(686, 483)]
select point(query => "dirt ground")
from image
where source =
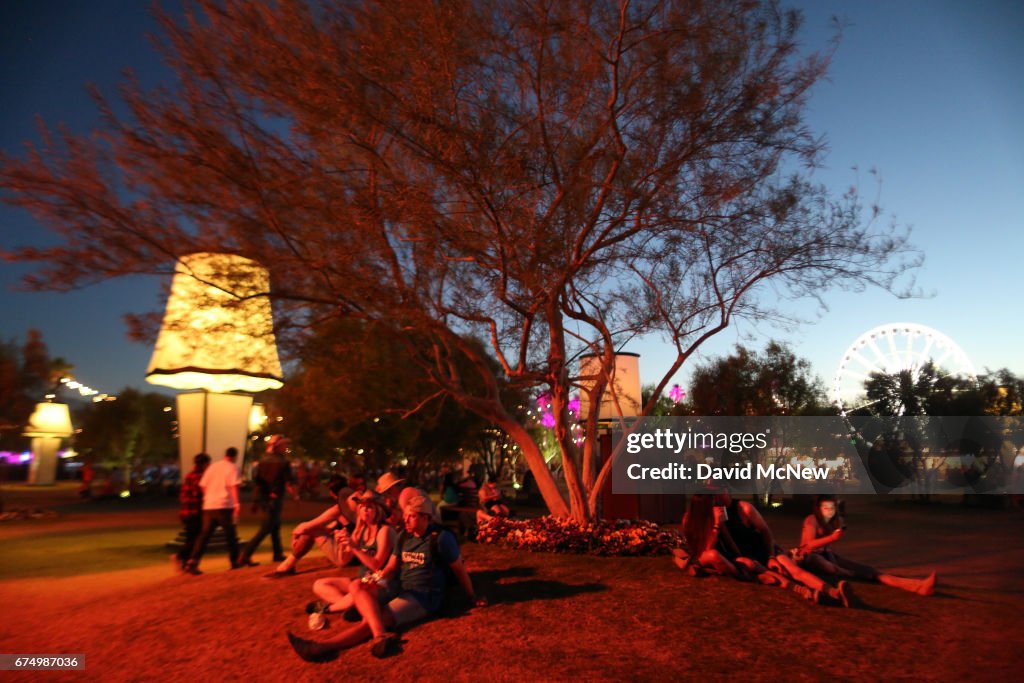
[(96, 580)]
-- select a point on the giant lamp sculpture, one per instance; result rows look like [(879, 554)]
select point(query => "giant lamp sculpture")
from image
[(621, 397), (49, 423), (622, 390), (217, 338)]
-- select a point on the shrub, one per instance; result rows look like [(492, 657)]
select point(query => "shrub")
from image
[(604, 537)]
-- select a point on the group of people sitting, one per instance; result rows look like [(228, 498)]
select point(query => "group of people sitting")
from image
[(729, 537), (406, 562)]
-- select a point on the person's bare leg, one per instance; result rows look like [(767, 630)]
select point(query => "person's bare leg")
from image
[(312, 650), (370, 609), (925, 586), (713, 561), (812, 581), (300, 546), (334, 591)]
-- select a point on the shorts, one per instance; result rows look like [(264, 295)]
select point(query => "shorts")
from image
[(331, 549), (412, 606)]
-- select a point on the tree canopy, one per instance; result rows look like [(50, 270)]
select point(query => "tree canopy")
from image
[(773, 382), (27, 375), (553, 178), (927, 390)]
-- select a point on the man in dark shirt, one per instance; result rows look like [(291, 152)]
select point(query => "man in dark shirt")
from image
[(191, 512), (273, 477), (422, 551)]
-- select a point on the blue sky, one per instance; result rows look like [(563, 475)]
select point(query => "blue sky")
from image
[(927, 93)]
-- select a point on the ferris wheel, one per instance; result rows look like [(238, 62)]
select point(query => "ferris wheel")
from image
[(892, 348)]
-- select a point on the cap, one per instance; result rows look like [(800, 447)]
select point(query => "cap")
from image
[(419, 505)]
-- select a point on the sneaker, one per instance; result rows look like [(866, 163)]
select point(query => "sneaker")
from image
[(316, 621), (384, 645), (317, 606)]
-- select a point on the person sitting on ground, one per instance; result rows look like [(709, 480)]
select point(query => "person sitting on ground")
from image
[(324, 531), (355, 490), (825, 527), (712, 550), (490, 500), (394, 492), (421, 553), (748, 534), (701, 524), (371, 543)]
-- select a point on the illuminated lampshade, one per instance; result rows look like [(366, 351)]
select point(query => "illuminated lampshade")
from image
[(624, 385), (49, 419), (218, 332)]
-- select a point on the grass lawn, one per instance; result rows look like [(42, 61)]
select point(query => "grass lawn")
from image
[(100, 583)]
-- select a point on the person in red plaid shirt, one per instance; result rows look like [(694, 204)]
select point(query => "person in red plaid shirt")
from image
[(191, 513)]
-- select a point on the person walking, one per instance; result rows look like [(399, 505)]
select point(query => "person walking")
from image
[(273, 478), (191, 512), (221, 506)]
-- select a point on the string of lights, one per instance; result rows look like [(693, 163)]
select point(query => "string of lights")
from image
[(71, 384)]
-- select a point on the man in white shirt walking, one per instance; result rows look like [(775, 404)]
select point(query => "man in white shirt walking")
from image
[(221, 506)]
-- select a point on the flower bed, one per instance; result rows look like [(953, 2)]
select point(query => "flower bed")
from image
[(604, 537)]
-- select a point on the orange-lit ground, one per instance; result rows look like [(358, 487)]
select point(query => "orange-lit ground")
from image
[(553, 617)]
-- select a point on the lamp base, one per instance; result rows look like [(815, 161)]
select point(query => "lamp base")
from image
[(43, 470), (211, 423)]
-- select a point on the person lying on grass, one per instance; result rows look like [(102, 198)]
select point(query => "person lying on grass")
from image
[(421, 554), (714, 549), (370, 543), (825, 527)]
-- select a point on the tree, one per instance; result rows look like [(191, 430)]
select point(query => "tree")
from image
[(921, 391), (928, 391), (774, 382), (553, 178), (27, 374), (355, 388), (1001, 393), (133, 430)]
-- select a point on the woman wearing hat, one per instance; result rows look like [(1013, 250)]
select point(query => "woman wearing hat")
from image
[(396, 495), (370, 543)]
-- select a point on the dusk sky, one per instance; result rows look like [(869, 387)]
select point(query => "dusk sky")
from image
[(928, 93)]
